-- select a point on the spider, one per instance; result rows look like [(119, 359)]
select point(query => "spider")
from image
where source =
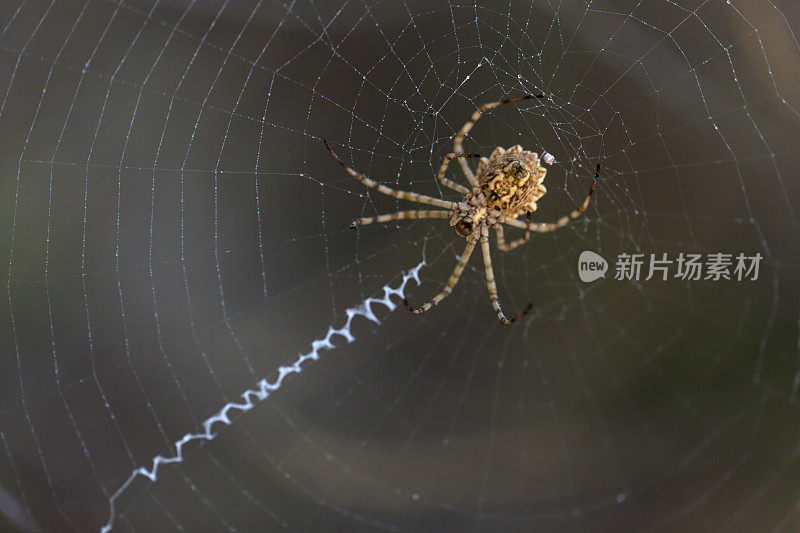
[(505, 186)]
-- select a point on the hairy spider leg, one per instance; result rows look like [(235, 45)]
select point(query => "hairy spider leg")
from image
[(492, 286), (404, 195), (454, 277), (448, 183), (459, 138), (507, 247), (401, 215), (545, 227)]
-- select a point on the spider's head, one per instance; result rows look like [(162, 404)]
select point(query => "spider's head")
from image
[(464, 227)]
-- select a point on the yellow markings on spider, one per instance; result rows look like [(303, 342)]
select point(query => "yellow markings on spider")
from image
[(505, 186)]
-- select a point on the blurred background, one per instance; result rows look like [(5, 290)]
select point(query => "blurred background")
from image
[(173, 230)]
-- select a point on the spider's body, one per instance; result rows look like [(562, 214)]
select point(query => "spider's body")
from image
[(509, 185), (506, 185)]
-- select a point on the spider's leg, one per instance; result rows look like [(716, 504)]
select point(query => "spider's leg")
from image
[(492, 286), (404, 195), (401, 215), (459, 138), (563, 221), (454, 277), (507, 247), (446, 182)]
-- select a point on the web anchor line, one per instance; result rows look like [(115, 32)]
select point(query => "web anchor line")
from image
[(264, 388)]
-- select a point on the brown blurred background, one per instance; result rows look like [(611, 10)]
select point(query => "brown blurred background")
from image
[(173, 230)]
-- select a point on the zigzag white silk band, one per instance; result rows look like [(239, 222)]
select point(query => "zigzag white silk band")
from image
[(264, 388)]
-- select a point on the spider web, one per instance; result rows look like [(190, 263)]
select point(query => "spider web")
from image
[(176, 238)]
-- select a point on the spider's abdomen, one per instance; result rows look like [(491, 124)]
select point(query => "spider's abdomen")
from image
[(512, 180)]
